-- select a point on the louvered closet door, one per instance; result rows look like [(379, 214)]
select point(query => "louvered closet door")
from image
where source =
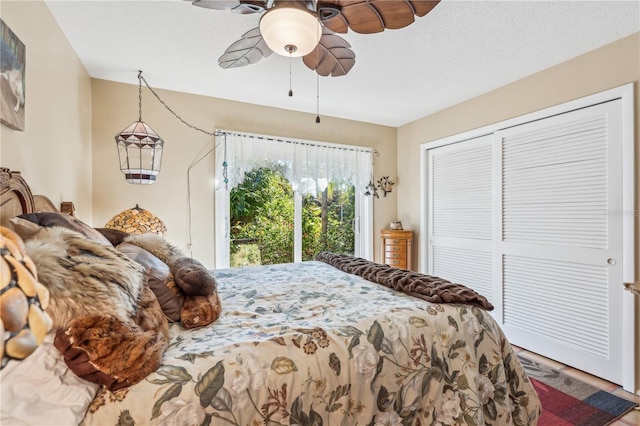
[(460, 223), (559, 242)]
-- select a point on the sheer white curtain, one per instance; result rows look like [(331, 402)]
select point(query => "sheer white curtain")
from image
[(308, 165)]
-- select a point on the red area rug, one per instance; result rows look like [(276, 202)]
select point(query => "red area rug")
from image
[(570, 402)]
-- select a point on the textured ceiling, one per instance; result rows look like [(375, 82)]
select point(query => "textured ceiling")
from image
[(459, 50)]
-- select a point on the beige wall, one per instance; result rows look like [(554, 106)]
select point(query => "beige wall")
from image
[(115, 106), (607, 67), (54, 151)]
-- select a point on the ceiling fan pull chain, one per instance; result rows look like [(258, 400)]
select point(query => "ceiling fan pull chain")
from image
[(290, 91), (317, 98), (318, 81)]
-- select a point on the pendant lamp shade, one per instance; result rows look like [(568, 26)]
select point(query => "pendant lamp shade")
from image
[(290, 30), (139, 148), (140, 153)]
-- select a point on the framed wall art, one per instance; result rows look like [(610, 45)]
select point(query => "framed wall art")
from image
[(12, 79)]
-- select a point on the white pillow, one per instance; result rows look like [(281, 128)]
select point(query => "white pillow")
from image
[(41, 390)]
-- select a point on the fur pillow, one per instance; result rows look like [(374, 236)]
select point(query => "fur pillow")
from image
[(159, 278), (84, 278), (31, 225), (199, 311), (194, 287), (201, 302)]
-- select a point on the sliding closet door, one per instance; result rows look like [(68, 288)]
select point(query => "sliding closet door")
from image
[(559, 237), (538, 217), (460, 205)]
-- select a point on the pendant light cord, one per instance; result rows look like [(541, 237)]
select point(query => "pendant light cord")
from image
[(167, 107), (139, 95), (205, 155), (141, 79)]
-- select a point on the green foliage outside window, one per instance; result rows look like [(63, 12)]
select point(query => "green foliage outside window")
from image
[(262, 216), (328, 221)]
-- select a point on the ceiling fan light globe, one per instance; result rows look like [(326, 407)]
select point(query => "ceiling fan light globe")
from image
[(290, 26)]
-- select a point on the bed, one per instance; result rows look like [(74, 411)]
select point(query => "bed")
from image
[(311, 344)]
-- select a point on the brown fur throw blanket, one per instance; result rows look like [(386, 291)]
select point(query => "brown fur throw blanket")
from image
[(427, 287), (110, 327), (113, 353)]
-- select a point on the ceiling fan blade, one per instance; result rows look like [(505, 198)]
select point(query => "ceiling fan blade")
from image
[(246, 51), (374, 16), (330, 19), (216, 4), (237, 6), (332, 56)]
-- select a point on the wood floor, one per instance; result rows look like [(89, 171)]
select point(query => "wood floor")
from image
[(632, 418)]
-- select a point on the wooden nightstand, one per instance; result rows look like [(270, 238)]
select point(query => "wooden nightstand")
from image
[(396, 247)]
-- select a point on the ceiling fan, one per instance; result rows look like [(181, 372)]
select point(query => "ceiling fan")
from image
[(308, 28)]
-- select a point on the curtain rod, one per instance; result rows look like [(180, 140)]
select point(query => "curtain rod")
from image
[(220, 132)]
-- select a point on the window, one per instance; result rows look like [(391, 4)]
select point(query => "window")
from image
[(280, 200)]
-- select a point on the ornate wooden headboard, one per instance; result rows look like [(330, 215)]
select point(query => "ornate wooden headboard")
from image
[(16, 198)]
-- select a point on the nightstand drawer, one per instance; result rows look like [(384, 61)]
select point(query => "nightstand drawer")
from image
[(395, 249), (399, 263), (394, 241), (395, 255)]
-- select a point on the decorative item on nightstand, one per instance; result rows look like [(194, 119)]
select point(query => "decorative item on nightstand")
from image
[(396, 247), (137, 221)]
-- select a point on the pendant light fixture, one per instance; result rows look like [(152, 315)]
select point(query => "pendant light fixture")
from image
[(139, 148)]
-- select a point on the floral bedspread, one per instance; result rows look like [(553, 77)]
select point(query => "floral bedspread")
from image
[(308, 344)]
